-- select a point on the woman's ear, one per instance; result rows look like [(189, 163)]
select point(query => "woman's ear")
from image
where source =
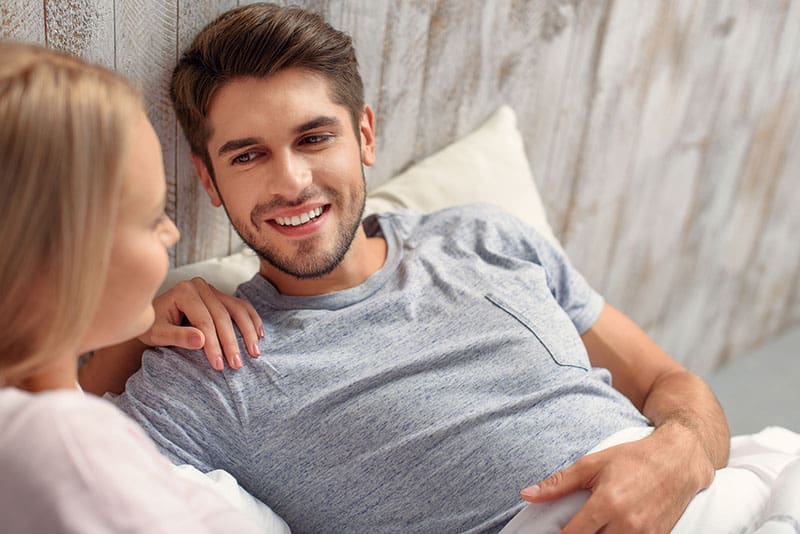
[(205, 179)]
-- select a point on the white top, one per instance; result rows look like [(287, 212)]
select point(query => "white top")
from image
[(71, 462)]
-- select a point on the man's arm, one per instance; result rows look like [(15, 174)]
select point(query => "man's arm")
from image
[(646, 484), (211, 314), (109, 368), (662, 389)]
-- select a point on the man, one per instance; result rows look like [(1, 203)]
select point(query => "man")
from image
[(416, 371)]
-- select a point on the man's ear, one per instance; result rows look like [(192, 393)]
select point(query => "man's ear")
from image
[(205, 179), (367, 132)]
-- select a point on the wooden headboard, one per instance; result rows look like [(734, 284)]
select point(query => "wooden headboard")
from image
[(663, 135)]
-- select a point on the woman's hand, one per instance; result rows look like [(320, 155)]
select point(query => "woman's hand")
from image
[(211, 314), (195, 301)]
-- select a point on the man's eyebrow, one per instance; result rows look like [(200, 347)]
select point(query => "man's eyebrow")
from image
[(318, 122), (236, 144)]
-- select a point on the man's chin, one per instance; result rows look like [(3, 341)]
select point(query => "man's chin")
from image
[(304, 271)]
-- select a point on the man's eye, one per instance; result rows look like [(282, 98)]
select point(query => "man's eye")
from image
[(247, 157), (316, 139)]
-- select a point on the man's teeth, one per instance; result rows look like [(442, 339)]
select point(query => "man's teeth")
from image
[(297, 220)]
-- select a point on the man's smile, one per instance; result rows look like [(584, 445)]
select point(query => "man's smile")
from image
[(297, 220), (302, 222)]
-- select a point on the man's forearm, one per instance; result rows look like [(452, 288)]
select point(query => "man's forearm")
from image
[(682, 398), (109, 368), (663, 390)]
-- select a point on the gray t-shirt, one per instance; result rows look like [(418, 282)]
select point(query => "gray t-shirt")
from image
[(422, 400)]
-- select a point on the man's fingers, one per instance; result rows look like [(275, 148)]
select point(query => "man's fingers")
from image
[(612, 512), (557, 485), (590, 518)]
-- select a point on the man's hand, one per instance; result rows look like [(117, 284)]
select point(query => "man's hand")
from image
[(642, 486), (209, 311)]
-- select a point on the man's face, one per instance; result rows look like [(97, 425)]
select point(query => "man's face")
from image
[(288, 169)]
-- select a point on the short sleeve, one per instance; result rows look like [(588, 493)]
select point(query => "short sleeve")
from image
[(501, 231), (570, 289), (187, 409)]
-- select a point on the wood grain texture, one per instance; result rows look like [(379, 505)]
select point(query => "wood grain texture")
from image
[(22, 20), (397, 102), (84, 28), (205, 231), (145, 52), (664, 136)]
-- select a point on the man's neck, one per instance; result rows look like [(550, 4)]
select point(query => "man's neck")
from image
[(364, 258)]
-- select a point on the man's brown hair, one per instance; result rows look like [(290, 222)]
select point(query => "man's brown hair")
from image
[(256, 41)]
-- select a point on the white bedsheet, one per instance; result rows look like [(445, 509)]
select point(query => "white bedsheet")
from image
[(759, 491), (225, 485)]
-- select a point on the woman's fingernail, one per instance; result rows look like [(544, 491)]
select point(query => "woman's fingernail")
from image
[(256, 350), (531, 491), (219, 364), (237, 361), (196, 339)]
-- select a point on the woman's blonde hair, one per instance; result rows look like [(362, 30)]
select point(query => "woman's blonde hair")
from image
[(65, 132)]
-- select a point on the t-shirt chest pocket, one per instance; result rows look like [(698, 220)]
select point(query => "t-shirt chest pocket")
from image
[(548, 325)]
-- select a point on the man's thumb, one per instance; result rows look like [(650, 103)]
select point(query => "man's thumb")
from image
[(556, 485)]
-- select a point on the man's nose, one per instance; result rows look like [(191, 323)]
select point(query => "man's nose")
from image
[(291, 175)]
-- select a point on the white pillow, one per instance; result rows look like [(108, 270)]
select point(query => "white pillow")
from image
[(225, 273), (488, 165)]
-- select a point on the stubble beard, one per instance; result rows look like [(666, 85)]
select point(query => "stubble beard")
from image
[(311, 258)]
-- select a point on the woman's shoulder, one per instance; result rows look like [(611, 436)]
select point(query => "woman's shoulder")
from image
[(24, 412), (64, 451), (28, 414), (61, 430), (43, 430)]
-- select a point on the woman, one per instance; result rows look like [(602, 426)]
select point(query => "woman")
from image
[(85, 241)]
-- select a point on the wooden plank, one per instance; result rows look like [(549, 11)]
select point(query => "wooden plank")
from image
[(460, 85), (22, 20), (397, 103), (205, 231), (678, 110), (768, 205), (736, 183), (791, 315), (364, 21), (547, 75), (603, 170), (146, 50), (84, 28)]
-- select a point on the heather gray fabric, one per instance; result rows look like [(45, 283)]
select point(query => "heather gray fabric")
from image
[(422, 400)]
